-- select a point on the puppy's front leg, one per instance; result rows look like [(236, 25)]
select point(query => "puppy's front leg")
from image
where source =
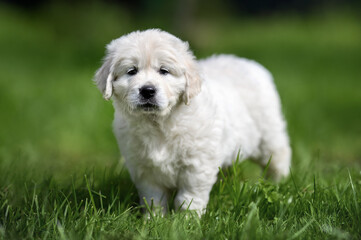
[(155, 196), (193, 189)]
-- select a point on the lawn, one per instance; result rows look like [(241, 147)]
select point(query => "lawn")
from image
[(60, 174)]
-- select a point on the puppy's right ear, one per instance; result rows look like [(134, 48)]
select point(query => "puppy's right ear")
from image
[(104, 79), (193, 81)]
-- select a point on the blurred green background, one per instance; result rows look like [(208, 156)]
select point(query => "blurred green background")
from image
[(54, 122)]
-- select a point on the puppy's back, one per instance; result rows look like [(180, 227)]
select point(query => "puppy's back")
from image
[(243, 87)]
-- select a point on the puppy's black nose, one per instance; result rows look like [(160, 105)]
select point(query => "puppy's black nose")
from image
[(147, 91)]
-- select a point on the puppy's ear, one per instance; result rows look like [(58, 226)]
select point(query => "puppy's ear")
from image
[(104, 79), (193, 82)]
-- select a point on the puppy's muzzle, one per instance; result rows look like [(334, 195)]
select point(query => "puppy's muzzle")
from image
[(147, 95)]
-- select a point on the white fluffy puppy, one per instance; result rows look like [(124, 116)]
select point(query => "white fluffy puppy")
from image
[(178, 120)]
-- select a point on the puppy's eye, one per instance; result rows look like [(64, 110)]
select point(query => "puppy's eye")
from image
[(163, 71), (132, 71)]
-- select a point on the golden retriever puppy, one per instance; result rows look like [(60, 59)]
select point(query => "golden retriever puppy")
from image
[(177, 120)]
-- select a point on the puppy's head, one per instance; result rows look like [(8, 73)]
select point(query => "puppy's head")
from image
[(148, 72)]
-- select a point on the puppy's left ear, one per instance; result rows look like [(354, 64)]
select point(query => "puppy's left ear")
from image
[(193, 82), (104, 79)]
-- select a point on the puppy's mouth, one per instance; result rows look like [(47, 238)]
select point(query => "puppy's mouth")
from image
[(148, 107)]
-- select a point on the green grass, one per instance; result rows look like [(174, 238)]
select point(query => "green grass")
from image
[(60, 177)]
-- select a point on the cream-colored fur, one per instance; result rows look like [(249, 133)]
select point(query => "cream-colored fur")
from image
[(201, 115)]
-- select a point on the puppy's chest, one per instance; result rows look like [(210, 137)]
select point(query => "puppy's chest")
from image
[(162, 158), (162, 150)]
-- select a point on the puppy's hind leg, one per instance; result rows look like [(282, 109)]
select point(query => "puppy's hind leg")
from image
[(276, 150), (280, 163)]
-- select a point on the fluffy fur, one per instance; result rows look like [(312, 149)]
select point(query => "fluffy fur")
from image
[(200, 116)]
